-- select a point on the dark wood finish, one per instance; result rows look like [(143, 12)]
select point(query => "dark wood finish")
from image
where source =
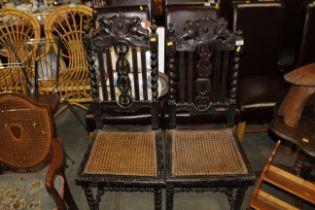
[(45, 149), (294, 120), (213, 54), (120, 35)]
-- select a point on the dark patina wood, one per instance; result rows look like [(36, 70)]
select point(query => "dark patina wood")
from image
[(120, 35), (212, 71)]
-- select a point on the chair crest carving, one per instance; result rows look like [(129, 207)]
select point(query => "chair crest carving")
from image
[(118, 28), (203, 31)]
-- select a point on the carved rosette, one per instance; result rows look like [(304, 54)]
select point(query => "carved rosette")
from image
[(203, 83)]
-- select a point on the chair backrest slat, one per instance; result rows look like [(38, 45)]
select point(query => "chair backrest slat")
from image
[(110, 74), (135, 73), (144, 73), (182, 77), (102, 73)]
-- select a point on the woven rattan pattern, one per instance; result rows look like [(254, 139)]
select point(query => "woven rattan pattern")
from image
[(212, 152), (123, 153), (25, 132)]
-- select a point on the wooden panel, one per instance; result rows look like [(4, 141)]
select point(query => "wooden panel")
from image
[(265, 201), (291, 183)]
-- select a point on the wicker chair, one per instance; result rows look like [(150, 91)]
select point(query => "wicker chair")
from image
[(123, 157), (203, 65), (16, 27), (27, 144), (16, 73), (68, 24)]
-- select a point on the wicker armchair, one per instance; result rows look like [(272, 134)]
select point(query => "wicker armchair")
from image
[(123, 157), (68, 24), (27, 144), (16, 27), (202, 62)]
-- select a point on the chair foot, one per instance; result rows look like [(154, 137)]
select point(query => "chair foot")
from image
[(235, 198), (158, 199), (68, 197), (93, 204), (169, 198)]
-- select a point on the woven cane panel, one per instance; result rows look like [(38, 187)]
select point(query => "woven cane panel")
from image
[(25, 132), (123, 153), (206, 153)]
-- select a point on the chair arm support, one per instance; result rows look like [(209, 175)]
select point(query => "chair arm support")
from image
[(55, 165)]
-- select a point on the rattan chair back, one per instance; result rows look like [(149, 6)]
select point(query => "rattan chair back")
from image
[(25, 131), (16, 27), (68, 24)]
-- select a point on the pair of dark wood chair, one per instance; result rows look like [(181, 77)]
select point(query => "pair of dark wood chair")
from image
[(127, 152)]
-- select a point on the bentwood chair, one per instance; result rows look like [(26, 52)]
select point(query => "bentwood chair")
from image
[(203, 62), (261, 83), (68, 24), (128, 156), (27, 145)]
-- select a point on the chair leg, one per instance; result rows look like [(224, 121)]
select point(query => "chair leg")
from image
[(68, 197), (169, 197), (93, 204), (157, 199), (240, 130), (235, 198)]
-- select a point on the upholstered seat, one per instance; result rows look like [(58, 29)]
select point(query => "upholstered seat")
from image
[(206, 152), (123, 153), (27, 191)]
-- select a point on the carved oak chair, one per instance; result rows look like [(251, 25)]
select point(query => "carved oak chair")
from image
[(27, 145), (68, 24), (109, 116), (261, 84), (203, 62), (123, 157)]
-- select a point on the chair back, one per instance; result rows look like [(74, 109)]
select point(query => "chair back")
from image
[(67, 24), (306, 53), (122, 80), (262, 45), (44, 64), (202, 62), (177, 15), (127, 11), (138, 3), (16, 26), (25, 131)]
